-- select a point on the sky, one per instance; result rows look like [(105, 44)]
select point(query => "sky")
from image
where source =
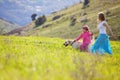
[(20, 11)]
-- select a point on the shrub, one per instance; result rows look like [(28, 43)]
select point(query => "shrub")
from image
[(40, 20)]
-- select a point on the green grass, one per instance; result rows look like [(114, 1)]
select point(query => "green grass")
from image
[(41, 58)]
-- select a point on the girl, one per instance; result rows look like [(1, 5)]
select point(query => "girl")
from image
[(102, 44), (86, 36)]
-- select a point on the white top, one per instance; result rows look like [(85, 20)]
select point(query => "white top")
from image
[(102, 28)]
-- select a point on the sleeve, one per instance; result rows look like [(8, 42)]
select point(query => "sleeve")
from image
[(79, 37)]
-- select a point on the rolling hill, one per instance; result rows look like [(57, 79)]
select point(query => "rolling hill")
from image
[(62, 27), (6, 26)]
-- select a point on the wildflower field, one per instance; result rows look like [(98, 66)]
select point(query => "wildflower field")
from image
[(41, 58)]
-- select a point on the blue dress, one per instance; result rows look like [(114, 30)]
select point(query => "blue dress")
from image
[(102, 43)]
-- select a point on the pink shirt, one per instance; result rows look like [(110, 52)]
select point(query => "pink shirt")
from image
[(86, 36)]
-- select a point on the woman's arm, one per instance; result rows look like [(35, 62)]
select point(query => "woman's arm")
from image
[(110, 30)]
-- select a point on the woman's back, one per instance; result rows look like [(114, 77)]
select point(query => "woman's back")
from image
[(102, 28)]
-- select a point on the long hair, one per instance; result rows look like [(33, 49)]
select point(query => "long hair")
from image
[(101, 16)]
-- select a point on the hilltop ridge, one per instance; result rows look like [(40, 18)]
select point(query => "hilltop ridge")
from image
[(6, 26)]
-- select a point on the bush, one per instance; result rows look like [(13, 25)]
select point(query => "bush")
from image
[(73, 21), (47, 25), (40, 20), (56, 17)]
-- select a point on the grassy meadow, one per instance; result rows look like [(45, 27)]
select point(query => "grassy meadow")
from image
[(41, 58)]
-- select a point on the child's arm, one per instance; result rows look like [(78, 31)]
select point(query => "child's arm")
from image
[(78, 38)]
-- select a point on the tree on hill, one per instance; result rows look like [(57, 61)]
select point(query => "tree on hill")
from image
[(40, 20), (85, 4), (33, 16)]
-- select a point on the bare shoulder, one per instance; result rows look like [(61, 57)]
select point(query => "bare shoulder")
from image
[(105, 24)]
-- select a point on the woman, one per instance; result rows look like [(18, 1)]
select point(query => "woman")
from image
[(102, 44)]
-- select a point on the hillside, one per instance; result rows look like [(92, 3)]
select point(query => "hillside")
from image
[(21, 31), (6, 26), (61, 27)]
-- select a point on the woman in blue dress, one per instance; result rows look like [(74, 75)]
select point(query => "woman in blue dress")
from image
[(102, 44)]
